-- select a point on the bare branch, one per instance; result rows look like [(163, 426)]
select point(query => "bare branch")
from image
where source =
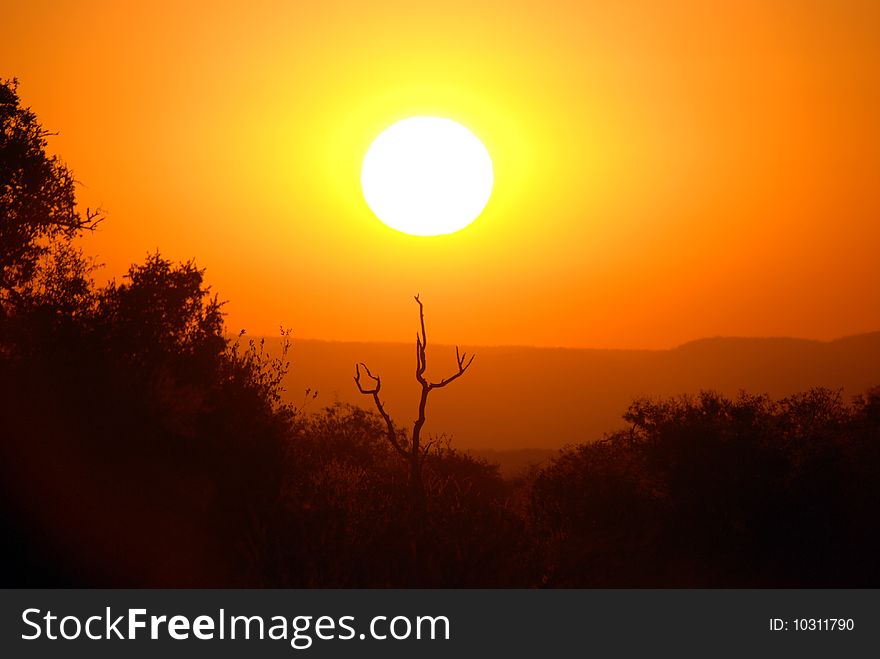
[(93, 218), (421, 344), (422, 321), (77, 222), (419, 360), (357, 379), (390, 431), (463, 365), (431, 443)]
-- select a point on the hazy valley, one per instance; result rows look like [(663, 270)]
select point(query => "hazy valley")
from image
[(544, 398)]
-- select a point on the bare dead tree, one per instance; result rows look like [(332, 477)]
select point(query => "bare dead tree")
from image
[(411, 449)]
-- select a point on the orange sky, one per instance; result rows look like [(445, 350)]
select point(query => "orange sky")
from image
[(663, 170)]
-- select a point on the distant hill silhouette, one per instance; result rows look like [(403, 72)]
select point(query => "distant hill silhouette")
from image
[(523, 397)]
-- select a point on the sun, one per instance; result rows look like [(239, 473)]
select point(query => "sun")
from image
[(427, 176)]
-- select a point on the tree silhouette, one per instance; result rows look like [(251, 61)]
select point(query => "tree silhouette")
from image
[(163, 310), (37, 193), (412, 450)]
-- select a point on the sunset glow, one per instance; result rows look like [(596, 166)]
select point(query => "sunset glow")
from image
[(662, 171), (472, 294)]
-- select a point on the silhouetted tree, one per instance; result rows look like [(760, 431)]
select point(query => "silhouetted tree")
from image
[(37, 193), (411, 449), (163, 310)]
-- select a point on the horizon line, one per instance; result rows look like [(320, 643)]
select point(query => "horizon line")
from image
[(521, 346)]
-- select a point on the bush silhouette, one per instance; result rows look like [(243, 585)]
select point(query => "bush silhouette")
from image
[(710, 491), (136, 417), (348, 501)]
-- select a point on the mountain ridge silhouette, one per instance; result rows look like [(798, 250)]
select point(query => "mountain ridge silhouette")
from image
[(522, 397)]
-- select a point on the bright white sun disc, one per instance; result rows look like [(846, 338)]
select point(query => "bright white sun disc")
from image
[(427, 176)]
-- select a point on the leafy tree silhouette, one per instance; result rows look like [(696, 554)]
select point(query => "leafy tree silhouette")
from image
[(140, 446), (161, 311), (37, 193)]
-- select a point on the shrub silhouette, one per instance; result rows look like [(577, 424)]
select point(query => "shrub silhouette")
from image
[(348, 500), (710, 491)]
